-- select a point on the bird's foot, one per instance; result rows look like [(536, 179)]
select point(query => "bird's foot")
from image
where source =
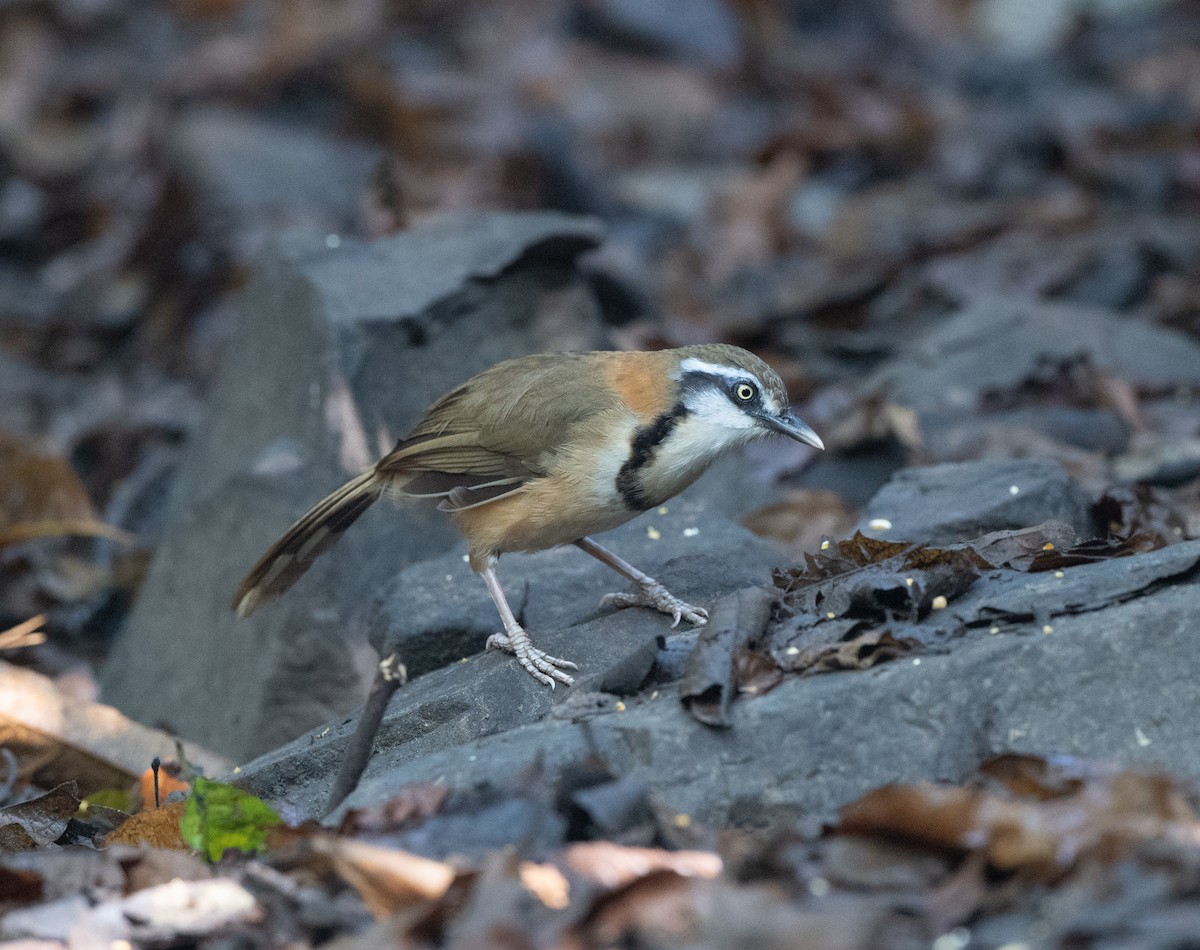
[(652, 594), (540, 665)]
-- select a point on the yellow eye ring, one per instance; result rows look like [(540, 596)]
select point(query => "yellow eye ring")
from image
[(744, 391)]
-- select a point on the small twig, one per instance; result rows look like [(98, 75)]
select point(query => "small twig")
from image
[(155, 765), (78, 527), (24, 634), (391, 675)]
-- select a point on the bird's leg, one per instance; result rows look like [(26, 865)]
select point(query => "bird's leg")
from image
[(540, 665), (647, 591)]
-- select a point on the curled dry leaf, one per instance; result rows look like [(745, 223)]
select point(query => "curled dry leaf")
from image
[(860, 653), (1041, 818), (547, 883), (41, 496), (873, 579), (1017, 549), (155, 827), (189, 909), (612, 865), (39, 821), (39, 487), (711, 675), (388, 879)]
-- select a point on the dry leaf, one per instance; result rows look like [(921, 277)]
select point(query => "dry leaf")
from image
[(612, 865), (156, 828), (1027, 823), (388, 879), (39, 821)]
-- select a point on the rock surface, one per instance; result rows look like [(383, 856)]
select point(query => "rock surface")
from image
[(257, 176), (998, 343), (1122, 630), (338, 353), (942, 504)]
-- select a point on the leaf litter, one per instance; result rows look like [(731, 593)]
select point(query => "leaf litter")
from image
[(864, 200), (905, 862)]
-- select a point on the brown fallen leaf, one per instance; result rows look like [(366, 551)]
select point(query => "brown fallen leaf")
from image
[(1126, 511), (871, 579), (388, 879), (612, 865), (860, 653), (155, 828), (749, 225), (39, 821), (710, 678), (659, 908), (547, 883), (39, 488), (1104, 816), (1017, 548)]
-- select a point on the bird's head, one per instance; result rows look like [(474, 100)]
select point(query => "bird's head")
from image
[(735, 396)]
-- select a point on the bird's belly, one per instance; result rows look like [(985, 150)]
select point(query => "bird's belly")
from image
[(545, 513)]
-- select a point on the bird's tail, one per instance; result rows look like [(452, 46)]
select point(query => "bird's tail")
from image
[(310, 537)]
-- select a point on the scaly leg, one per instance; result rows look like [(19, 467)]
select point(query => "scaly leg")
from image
[(648, 592), (540, 665)]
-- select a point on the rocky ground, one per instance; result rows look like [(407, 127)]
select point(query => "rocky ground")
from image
[(946, 696)]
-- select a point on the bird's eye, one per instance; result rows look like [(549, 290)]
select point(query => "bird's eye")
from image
[(744, 391)]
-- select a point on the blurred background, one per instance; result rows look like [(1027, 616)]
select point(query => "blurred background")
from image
[(823, 181)]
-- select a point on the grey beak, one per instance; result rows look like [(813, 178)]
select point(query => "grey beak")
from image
[(793, 428)]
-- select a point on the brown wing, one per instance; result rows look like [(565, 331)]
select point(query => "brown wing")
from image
[(499, 430)]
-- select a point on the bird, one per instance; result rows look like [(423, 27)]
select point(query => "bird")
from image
[(546, 450)]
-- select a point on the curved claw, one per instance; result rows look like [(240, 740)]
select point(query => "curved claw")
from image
[(543, 667), (657, 597)]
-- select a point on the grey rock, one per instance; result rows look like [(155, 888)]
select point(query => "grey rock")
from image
[(1171, 461), (705, 31), (256, 176), (338, 353), (438, 611), (1095, 430), (941, 504), (1097, 686), (999, 343)]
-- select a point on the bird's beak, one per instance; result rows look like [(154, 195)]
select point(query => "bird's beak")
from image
[(793, 428)]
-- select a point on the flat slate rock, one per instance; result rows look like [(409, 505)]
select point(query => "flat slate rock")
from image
[(999, 343), (1111, 680), (256, 175), (338, 353), (942, 504)]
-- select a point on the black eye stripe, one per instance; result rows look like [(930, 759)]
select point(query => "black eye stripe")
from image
[(697, 380)]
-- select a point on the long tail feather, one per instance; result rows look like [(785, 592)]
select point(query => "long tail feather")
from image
[(310, 537)]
